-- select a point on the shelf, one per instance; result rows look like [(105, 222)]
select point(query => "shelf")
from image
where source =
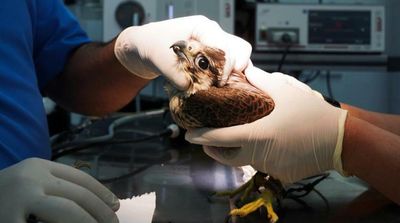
[(359, 62)]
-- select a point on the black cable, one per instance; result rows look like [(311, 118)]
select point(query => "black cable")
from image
[(306, 188), (130, 174), (328, 84), (84, 146), (68, 134), (283, 58), (332, 101), (312, 77), (328, 207), (298, 198), (300, 201)]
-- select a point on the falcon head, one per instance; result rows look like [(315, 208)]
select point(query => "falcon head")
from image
[(202, 65)]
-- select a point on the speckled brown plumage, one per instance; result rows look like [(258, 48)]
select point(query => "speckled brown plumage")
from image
[(213, 100), (221, 107)]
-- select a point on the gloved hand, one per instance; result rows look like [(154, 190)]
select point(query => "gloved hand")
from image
[(145, 50), (53, 193), (301, 137)]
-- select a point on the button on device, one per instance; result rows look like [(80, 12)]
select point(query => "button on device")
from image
[(283, 36)]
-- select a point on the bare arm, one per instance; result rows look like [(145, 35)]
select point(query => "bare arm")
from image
[(385, 121), (94, 82), (373, 154)]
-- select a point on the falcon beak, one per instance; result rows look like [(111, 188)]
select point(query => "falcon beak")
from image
[(179, 49)]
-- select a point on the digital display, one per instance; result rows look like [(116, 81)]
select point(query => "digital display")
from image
[(339, 27)]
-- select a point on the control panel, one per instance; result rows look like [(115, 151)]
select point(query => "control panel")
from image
[(320, 28)]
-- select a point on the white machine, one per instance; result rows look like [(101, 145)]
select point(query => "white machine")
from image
[(320, 28), (119, 14)]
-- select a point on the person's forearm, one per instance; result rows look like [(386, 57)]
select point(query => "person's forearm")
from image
[(385, 121), (94, 82), (372, 154)]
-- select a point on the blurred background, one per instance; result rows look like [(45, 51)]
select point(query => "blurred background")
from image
[(347, 65)]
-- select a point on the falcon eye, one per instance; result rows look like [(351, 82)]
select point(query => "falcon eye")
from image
[(202, 62)]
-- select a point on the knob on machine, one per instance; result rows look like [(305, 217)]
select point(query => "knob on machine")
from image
[(129, 13)]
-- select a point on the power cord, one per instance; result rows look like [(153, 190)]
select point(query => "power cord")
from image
[(305, 189), (329, 84), (297, 193), (311, 77), (287, 41), (110, 133), (283, 58), (171, 130)]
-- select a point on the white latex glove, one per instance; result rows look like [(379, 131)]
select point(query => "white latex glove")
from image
[(145, 50), (301, 137), (53, 192)]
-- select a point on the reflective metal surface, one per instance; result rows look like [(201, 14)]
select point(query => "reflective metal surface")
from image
[(183, 178)]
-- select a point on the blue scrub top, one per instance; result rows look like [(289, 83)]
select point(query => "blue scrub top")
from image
[(36, 38)]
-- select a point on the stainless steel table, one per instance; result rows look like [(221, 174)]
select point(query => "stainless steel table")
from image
[(183, 178)]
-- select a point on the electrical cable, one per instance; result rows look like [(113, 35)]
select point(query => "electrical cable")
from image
[(110, 133), (328, 208), (283, 58), (85, 146), (171, 131), (312, 77), (124, 176), (328, 84), (305, 188), (63, 136)]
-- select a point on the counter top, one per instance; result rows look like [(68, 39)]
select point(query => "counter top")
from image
[(183, 178)]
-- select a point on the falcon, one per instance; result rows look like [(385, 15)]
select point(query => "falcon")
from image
[(215, 100)]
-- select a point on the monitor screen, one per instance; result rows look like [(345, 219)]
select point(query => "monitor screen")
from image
[(339, 27)]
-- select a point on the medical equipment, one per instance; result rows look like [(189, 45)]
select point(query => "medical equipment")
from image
[(81, 138), (320, 28), (119, 14)]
